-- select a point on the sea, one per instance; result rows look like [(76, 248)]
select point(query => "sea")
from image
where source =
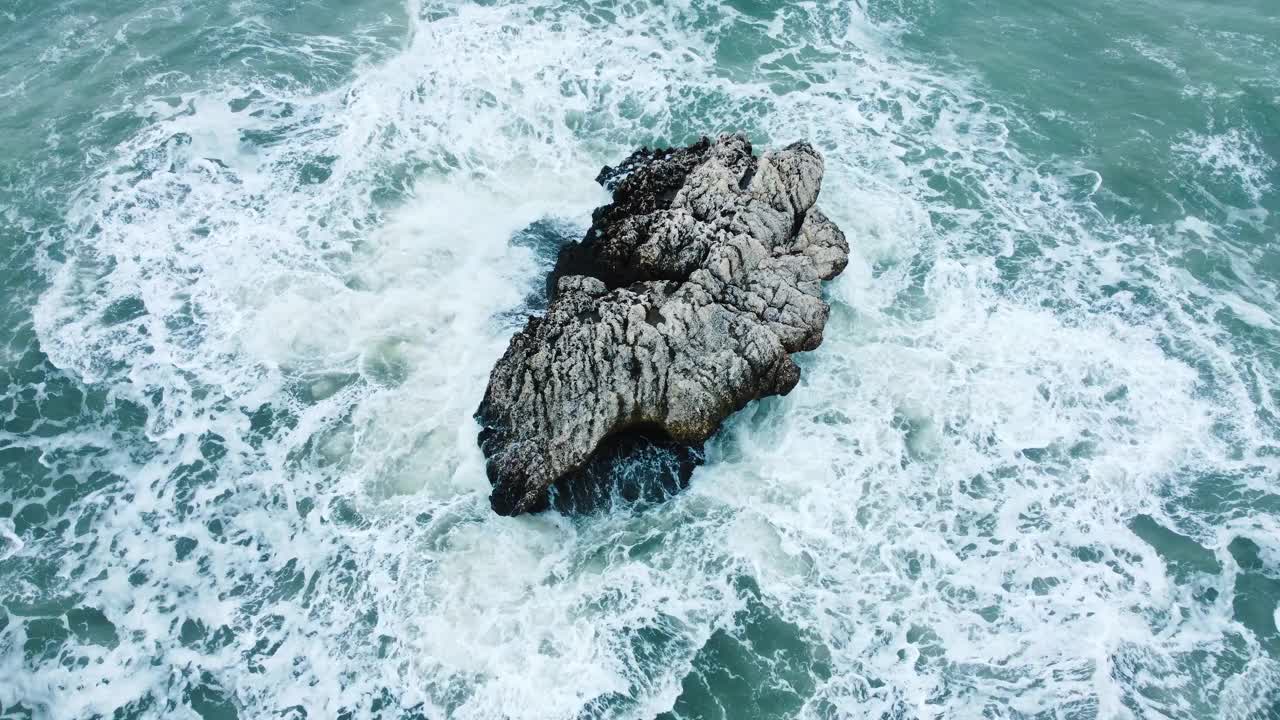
[(257, 258)]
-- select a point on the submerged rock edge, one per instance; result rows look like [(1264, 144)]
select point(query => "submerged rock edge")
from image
[(683, 303)]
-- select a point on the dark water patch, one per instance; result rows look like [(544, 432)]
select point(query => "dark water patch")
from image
[(210, 700), (45, 637), (1256, 593), (763, 667), (317, 170), (1211, 498), (660, 642), (639, 466), (26, 476), (270, 421), (1182, 554), (30, 520), (1246, 553), (384, 703), (545, 238), (16, 712), (759, 9), (91, 626), (124, 310)]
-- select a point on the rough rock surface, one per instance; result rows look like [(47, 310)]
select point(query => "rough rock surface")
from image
[(682, 304)]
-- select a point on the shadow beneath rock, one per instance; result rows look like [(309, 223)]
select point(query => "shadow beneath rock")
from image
[(545, 238), (638, 467)]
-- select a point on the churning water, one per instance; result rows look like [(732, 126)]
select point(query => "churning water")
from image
[(260, 255)]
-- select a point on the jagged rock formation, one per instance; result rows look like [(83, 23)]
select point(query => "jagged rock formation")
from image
[(682, 304)]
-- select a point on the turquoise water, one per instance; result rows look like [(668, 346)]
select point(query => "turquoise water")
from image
[(259, 257)]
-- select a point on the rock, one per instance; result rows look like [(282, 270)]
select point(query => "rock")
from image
[(682, 304)]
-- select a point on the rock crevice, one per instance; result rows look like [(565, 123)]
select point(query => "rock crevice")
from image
[(683, 303)]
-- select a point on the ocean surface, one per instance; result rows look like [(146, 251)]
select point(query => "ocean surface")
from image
[(258, 256)]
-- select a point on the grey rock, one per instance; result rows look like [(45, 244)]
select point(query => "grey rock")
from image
[(683, 303)]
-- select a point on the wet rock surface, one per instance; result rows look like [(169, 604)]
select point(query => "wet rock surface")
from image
[(683, 303)]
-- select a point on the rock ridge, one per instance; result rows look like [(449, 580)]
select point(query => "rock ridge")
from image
[(683, 303)]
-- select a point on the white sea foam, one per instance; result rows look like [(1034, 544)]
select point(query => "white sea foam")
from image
[(12, 544), (1233, 154), (939, 513), (1161, 56)]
